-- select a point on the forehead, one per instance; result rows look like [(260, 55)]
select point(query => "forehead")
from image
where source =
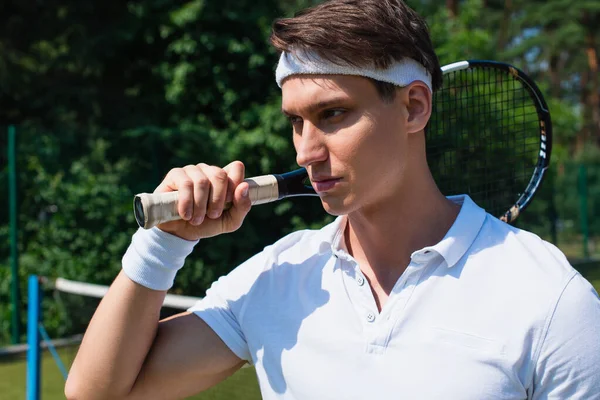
[(303, 90)]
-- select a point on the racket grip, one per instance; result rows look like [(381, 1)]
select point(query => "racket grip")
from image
[(151, 209)]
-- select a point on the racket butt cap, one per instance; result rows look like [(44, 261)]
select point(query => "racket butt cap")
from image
[(138, 210)]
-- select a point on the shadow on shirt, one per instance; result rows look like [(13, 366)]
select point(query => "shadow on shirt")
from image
[(269, 315)]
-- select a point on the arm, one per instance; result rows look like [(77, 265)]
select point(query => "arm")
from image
[(126, 353), (187, 358)]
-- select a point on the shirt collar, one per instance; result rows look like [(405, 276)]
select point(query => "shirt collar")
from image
[(337, 242), (452, 247), (461, 234), (331, 236)]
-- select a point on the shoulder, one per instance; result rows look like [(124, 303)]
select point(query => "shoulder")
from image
[(530, 275), (545, 298), (302, 245), (295, 248), (523, 254), (568, 360)]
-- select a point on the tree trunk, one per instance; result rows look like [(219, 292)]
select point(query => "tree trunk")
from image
[(553, 70), (583, 134), (452, 6), (594, 87), (556, 61), (503, 34), (590, 88)]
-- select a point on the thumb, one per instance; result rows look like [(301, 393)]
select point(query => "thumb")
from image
[(241, 206)]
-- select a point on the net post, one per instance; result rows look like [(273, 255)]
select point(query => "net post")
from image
[(33, 338)]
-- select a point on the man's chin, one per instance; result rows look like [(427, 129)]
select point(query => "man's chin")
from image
[(335, 206)]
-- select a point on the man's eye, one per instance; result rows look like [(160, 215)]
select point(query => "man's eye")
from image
[(294, 119), (333, 113)]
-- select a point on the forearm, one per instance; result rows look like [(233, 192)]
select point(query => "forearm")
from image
[(124, 326), (116, 342), (124, 354)]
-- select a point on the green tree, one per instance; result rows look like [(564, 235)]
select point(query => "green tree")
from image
[(109, 95)]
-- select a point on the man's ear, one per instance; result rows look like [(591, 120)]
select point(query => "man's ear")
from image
[(417, 99)]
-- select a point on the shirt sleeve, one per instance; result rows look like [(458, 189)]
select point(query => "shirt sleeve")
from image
[(225, 300), (568, 365)]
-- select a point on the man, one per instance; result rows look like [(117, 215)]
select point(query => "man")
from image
[(408, 294)]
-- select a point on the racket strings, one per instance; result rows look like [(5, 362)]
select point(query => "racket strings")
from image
[(483, 137)]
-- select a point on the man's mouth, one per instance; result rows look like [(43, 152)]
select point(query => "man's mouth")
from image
[(323, 184)]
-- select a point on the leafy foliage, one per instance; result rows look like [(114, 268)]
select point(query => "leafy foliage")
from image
[(109, 95)]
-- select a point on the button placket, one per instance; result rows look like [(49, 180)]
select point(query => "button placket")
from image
[(360, 293), (361, 283), (402, 292), (370, 316)]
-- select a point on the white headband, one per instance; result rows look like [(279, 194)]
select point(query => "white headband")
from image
[(400, 73)]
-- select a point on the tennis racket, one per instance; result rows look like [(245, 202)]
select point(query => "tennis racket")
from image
[(489, 136)]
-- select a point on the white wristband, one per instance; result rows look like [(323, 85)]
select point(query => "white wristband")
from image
[(154, 257)]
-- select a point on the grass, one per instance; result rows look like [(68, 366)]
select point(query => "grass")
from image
[(242, 385)]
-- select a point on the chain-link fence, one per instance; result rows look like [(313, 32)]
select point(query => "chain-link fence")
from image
[(564, 210)]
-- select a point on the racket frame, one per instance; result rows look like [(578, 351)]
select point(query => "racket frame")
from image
[(545, 127)]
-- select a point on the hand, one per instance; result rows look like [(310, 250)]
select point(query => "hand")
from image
[(203, 192)]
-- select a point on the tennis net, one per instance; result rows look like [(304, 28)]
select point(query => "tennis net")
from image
[(65, 307)]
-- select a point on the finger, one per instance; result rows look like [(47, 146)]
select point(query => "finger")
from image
[(218, 190), (235, 171), (178, 180), (241, 207), (201, 190)]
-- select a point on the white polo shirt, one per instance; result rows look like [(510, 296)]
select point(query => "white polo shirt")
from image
[(490, 312)]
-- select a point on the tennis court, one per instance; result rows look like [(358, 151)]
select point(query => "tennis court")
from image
[(241, 385)]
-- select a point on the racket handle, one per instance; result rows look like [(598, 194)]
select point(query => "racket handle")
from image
[(151, 209)]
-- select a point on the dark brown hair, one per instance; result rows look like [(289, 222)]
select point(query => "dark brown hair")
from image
[(360, 33)]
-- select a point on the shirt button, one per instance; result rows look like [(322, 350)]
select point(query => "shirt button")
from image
[(360, 280), (370, 317)]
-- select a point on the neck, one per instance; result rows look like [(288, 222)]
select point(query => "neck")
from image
[(383, 236)]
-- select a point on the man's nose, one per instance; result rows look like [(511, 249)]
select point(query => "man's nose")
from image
[(310, 146)]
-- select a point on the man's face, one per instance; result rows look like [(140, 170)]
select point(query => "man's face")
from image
[(351, 142)]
